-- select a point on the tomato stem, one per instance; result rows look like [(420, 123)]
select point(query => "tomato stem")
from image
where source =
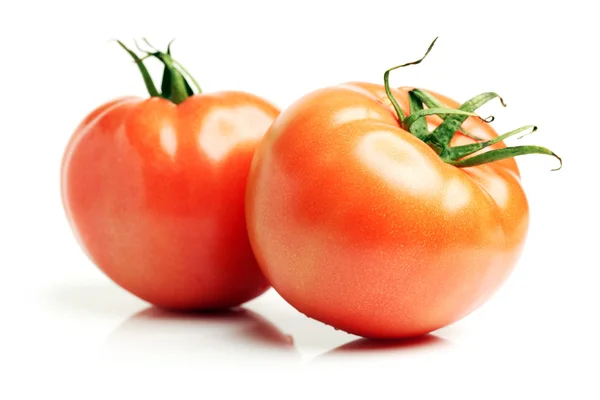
[(446, 130), (501, 154), (439, 140), (143, 70), (419, 126), (175, 86), (386, 81), (432, 102), (458, 152), (408, 121)]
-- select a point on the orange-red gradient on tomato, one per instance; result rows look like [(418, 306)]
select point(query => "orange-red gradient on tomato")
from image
[(154, 191), (361, 225)]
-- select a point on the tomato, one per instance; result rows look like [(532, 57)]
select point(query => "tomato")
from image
[(154, 191), (360, 224)]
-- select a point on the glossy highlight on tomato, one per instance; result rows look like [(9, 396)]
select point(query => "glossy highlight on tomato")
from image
[(154, 191)]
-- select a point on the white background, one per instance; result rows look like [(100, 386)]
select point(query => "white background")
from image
[(66, 330)]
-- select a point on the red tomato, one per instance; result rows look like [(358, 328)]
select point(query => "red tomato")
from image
[(359, 224), (154, 191)]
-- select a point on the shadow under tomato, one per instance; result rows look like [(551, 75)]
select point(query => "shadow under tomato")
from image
[(240, 335), (372, 345), (366, 348)]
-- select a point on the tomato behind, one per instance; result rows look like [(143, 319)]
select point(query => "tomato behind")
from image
[(154, 191)]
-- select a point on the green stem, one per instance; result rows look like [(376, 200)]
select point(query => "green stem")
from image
[(446, 130), (190, 77), (501, 154), (435, 111), (175, 86), (439, 140), (386, 81), (432, 102), (418, 127), (458, 152), (143, 70), (178, 89)]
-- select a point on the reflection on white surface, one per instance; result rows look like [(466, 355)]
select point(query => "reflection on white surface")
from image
[(93, 340), (266, 332), (239, 335), (381, 349)]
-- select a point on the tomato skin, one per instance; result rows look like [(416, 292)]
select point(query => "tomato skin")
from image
[(360, 225), (155, 194)]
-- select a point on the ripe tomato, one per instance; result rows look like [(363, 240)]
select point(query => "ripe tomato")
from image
[(154, 191), (360, 224)]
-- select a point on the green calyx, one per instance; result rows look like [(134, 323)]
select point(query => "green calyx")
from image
[(174, 86), (423, 104)]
